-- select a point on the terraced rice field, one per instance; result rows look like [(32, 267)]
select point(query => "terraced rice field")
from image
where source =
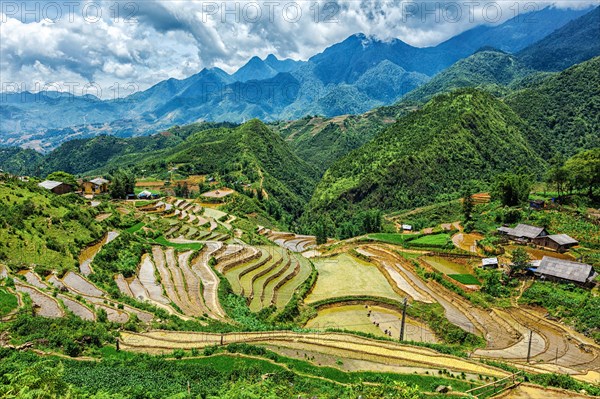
[(445, 265), (265, 275), (466, 241), (344, 275), (44, 304), (343, 346), (291, 281), (365, 319), (290, 241), (77, 308), (209, 280), (87, 255)]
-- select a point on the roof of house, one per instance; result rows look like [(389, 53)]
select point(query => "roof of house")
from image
[(489, 261), (406, 227), (565, 269), (145, 193), (523, 230), (563, 239), (99, 181), (50, 184)]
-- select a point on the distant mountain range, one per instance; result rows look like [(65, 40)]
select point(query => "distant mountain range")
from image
[(350, 77)]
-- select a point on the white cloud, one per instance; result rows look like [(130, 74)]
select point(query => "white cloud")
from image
[(171, 38)]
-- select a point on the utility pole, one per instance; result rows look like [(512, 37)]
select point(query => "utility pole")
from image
[(403, 319), (529, 346)]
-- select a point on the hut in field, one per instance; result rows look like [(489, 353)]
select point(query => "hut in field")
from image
[(565, 271), (489, 263), (56, 187), (557, 242), (145, 195), (407, 227)]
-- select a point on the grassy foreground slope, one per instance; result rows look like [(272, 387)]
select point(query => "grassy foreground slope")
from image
[(429, 155), (43, 229)]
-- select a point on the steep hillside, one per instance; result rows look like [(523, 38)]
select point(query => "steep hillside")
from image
[(251, 154), (534, 22), (491, 70), (20, 161), (575, 42), (428, 155), (565, 108), (81, 156), (37, 227), (321, 141)]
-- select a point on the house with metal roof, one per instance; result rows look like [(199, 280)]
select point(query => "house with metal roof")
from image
[(95, 186), (56, 187), (558, 242), (523, 232), (489, 263), (566, 271)]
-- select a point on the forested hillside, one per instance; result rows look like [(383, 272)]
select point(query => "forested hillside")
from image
[(489, 69), (321, 141), (565, 108), (575, 42), (427, 156)]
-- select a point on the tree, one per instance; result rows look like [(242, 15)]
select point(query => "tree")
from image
[(63, 177), (558, 176), (520, 261), (584, 169), (122, 183), (468, 203), (512, 189)]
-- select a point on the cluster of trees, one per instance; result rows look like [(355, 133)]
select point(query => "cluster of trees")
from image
[(512, 189), (579, 173), (122, 183)]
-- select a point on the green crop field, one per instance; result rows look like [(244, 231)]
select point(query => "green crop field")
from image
[(391, 238), (467, 279), (435, 240), (8, 301)]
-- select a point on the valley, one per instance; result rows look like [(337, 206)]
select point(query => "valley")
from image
[(393, 222)]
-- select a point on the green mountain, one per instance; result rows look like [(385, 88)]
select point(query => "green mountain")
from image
[(564, 107), (491, 70), (321, 141), (20, 161), (83, 155), (571, 44), (428, 155), (250, 155)]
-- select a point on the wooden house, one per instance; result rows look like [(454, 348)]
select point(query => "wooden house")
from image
[(565, 271), (95, 186), (523, 232), (56, 187), (557, 242)]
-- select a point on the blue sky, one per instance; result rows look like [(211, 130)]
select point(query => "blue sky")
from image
[(130, 45)]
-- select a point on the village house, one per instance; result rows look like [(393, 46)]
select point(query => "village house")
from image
[(56, 187), (523, 232), (489, 263), (95, 187), (557, 242), (145, 195), (565, 271)]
